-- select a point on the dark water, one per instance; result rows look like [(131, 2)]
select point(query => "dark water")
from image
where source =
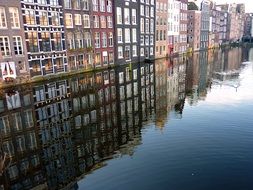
[(178, 124)]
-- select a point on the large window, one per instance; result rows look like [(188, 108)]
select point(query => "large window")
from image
[(70, 41), (110, 39), (102, 5), (79, 40), (127, 53), (56, 42), (76, 4), (68, 20), (45, 41), (103, 21), (104, 40), (95, 5), (97, 40), (30, 17), (119, 15), (85, 4), (126, 16), (109, 21), (48, 65), (17, 44), (134, 16), (86, 21), (134, 35), (96, 21), (120, 52), (14, 17), (120, 38), (78, 19), (2, 18), (5, 46), (87, 39), (127, 35), (67, 4), (109, 6), (43, 18), (55, 18)]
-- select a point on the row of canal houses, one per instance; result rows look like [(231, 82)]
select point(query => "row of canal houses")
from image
[(48, 37), (45, 37)]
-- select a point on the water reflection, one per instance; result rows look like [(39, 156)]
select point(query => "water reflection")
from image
[(53, 133)]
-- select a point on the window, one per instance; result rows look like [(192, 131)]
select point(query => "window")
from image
[(142, 10), (95, 5), (67, 4), (70, 41), (147, 11), (142, 40), (85, 5), (152, 27), (147, 25), (134, 51), (97, 40), (142, 25), (78, 19), (104, 40), (68, 20), (56, 41), (14, 17), (109, 20), (110, 39), (134, 16), (86, 21), (98, 59), (76, 4), (109, 6), (103, 21), (120, 52), (151, 40), (32, 43), (96, 21), (146, 40), (2, 18), (55, 18), (111, 58), (43, 18), (30, 17), (127, 53), (120, 38), (126, 16), (119, 15), (45, 41), (5, 46), (17, 44), (102, 5), (79, 40), (105, 58), (152, 11), (87, 39), (134, 35), (127, 35)]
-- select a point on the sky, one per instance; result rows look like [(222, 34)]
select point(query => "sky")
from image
[(248, 3)]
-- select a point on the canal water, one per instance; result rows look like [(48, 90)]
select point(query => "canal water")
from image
[(181, 124)]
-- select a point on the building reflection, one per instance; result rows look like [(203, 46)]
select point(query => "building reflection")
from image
[(53, 133)]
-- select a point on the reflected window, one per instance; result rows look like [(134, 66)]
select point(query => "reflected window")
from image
[(13, 172), (13, 100), (20, 143)]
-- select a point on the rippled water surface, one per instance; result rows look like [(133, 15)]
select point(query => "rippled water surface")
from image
[(178, 124)]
